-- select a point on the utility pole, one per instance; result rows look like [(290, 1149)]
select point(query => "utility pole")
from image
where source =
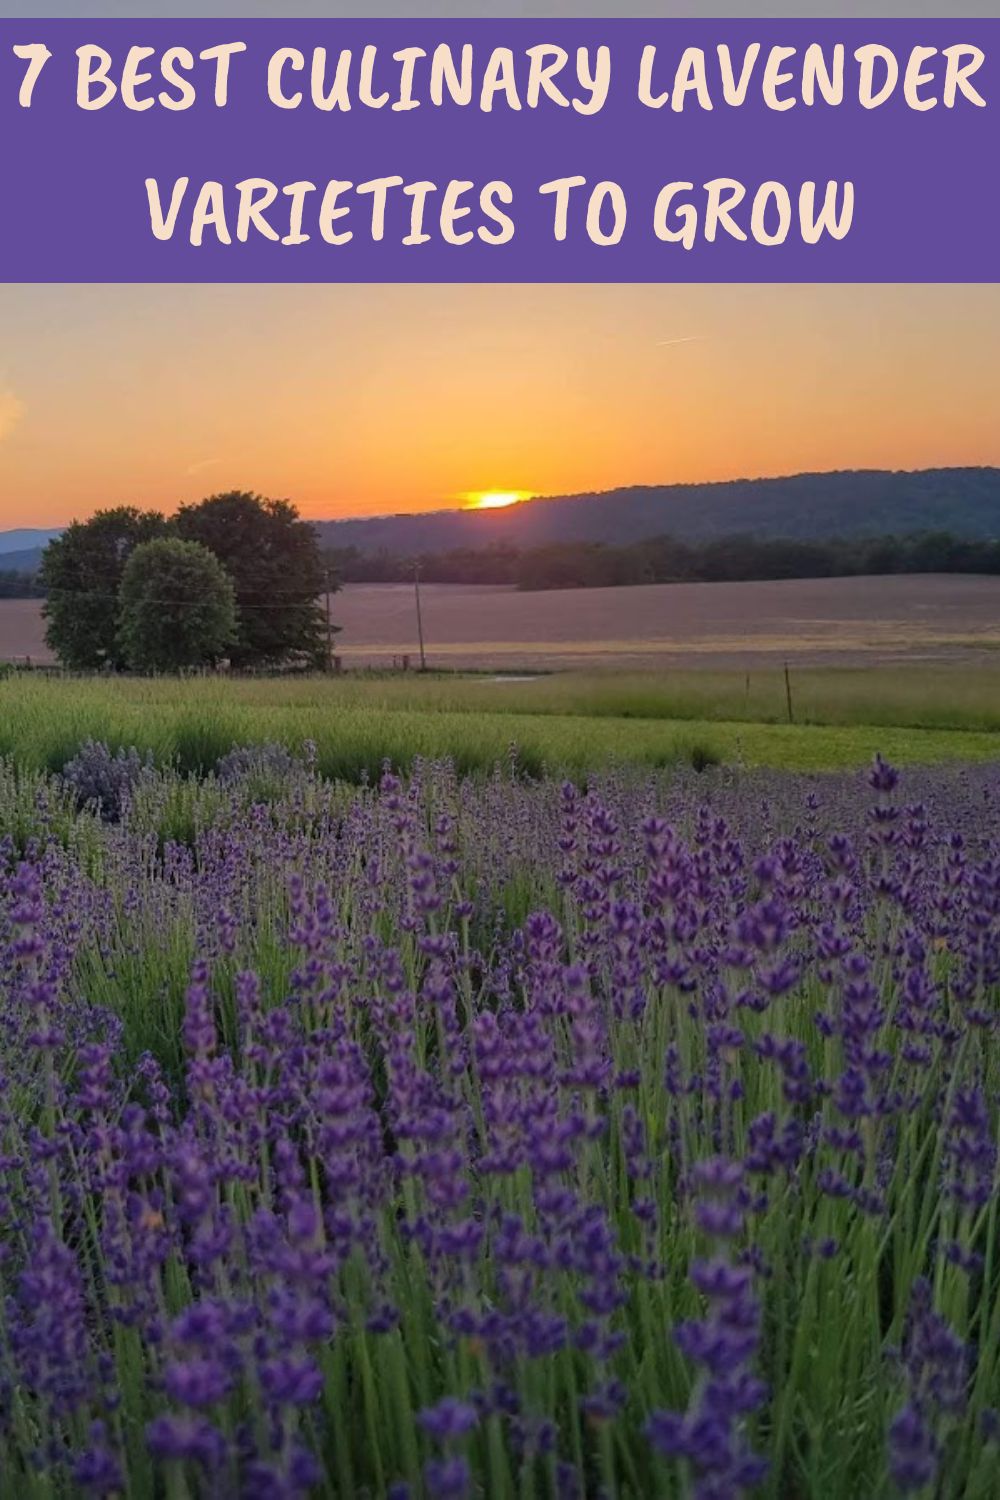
[(420, 621), (329, 623)]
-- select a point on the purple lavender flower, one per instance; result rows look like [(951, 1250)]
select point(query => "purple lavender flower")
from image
[(449, 1419), (913, 1451)]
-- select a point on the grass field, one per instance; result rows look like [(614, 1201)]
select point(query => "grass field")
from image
[(567, 721)]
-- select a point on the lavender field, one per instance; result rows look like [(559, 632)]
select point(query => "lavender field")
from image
[(487, 1136)]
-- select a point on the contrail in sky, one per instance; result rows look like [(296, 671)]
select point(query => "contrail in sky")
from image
[(694, 338)]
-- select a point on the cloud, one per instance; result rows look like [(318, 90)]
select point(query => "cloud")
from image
[(11, 412)]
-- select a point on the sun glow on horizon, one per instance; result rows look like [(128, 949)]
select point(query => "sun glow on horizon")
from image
[(494, 499), (310, 391)]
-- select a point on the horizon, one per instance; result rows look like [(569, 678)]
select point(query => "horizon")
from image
[(356, 401), (42, 529)]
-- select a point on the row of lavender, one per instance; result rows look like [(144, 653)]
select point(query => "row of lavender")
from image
[(475, 1137)]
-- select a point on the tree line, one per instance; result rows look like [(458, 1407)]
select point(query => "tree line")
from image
[(17, 585), (665, 559), (235, 577)]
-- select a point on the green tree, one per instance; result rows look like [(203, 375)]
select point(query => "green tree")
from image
[(81, 572), (177, 607), (274, 560)]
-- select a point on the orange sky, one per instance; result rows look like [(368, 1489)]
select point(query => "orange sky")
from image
[(365, 399)]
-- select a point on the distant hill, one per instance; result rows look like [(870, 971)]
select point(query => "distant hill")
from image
[(24, 560), (848, 503), (25, 537)]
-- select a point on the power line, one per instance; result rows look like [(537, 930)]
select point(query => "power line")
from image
[(105, 594)]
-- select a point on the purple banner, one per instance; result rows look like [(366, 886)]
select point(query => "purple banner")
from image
[(499, 151)]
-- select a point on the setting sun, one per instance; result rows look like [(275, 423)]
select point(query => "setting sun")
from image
[(494, 499)]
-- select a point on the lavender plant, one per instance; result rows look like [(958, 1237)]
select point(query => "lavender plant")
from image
[(460, 1137), (103, 779)]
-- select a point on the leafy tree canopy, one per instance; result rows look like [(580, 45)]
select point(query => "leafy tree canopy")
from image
[(177, 607), (81, 572), (274, 560)]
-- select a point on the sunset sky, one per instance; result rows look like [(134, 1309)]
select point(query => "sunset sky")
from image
[(356, 399)]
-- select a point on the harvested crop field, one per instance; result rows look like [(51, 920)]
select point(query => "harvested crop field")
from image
[(826, 621)]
